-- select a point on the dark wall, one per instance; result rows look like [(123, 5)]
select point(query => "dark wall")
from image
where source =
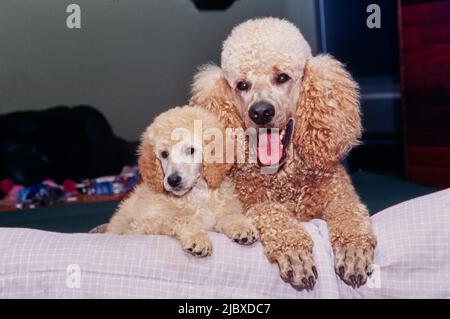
[(367, 52)]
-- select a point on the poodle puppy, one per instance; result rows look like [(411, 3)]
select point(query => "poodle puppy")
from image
[(305, 112), (183, 192)]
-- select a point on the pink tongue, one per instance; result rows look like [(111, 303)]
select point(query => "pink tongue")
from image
[(269, 148)]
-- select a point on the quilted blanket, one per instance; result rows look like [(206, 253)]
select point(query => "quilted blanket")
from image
[(412, 260)]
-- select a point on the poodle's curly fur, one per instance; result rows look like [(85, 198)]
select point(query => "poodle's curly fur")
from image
[(210, 204), (323, 100)]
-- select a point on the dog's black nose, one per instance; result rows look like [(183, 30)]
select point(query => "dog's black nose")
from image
[(174, 180), (261, 113)]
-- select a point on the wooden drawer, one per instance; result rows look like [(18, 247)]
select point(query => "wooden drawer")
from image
[(428, 156), (425, 76), (416, 35), (428, 12)]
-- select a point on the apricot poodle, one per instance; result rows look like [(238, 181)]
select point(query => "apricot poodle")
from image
[(306, 113), (181, 194)]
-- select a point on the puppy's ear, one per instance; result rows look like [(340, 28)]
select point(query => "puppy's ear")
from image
[(215, 168), (212, 91), (328, 116), (214, 173), (150, 167)]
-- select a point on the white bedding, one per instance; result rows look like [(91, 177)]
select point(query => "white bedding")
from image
[(413, 258)]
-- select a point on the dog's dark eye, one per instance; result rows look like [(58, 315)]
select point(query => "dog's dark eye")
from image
[(164, 154), (242, 86), (282, 78), (190, 150)]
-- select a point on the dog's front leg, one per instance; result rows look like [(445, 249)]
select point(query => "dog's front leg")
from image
[(286, 242), (351, 236), (188, 231), (192, 236), (237, 227)]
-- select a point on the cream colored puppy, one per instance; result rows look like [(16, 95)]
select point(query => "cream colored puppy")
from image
[(182, 194)]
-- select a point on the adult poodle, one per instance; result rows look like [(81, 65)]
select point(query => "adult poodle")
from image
[(268, 79), (184, 191)]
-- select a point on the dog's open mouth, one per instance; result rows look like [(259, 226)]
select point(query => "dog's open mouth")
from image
[(273, 144)]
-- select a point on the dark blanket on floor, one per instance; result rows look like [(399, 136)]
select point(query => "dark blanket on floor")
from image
[(60, 143)]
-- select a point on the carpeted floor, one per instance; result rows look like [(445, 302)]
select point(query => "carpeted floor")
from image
[(382, 191), (377, 192)]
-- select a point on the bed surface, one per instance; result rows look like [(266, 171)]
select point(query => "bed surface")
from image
[(411, 262)]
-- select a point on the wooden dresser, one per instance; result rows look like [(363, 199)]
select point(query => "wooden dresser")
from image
[(425, 82)]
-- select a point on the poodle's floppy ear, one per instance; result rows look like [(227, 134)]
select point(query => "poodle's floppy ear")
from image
[(212, 91), (150, 167), (328, 118), (215, 168), (214, 173)]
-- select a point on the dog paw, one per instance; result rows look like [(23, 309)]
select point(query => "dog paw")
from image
[(198, 245), (298, 269), (352, 265), (244, 234)]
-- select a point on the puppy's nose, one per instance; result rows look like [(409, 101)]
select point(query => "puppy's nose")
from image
[(174, 180), (261, 113)]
